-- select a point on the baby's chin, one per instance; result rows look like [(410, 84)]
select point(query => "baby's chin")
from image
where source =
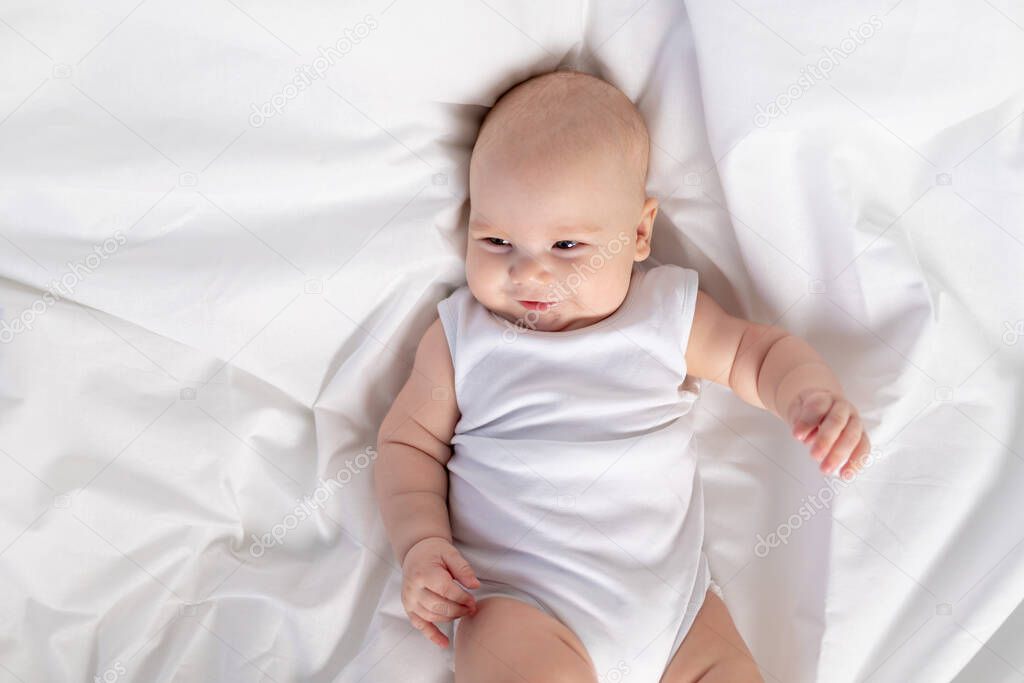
[(551, 321), (542, 321)]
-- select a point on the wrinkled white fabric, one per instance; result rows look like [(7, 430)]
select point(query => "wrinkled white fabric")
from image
[(574, 475)]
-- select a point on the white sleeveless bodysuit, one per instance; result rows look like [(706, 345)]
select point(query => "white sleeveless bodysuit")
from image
[(573, 484)]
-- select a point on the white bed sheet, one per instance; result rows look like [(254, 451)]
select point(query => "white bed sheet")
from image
[(229, 356)]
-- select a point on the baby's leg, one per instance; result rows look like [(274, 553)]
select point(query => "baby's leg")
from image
[(713, 651), (508, 640)]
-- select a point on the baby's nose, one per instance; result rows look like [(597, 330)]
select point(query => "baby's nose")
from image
[(528, 269)]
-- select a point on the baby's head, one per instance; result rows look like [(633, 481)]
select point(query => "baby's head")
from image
[(559, 210)]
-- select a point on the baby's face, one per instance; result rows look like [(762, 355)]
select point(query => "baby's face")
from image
[(562, 231)]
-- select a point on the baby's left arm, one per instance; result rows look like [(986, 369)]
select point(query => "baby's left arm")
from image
[(772, 369)]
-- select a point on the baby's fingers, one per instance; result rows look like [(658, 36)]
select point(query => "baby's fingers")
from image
[(830, 429), (844, 445), (857, 460), (432, 632), (459, 568), (438, 608), (446, 588), (807, 413)]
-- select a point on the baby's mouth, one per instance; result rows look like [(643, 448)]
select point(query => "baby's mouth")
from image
[(537, 305)]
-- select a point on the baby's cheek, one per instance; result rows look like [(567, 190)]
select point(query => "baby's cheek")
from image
[(484, 274)]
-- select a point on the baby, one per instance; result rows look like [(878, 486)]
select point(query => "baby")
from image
[(536, 474)]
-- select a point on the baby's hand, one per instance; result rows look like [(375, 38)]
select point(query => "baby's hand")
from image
[(429, 592), (834, 425)]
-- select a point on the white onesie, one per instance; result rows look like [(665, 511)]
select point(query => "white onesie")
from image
[(573, 484)]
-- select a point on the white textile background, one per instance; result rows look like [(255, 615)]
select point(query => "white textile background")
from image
[(244, 267)]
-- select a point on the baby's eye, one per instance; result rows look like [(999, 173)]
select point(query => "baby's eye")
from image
[(571, 242), (494, 240)]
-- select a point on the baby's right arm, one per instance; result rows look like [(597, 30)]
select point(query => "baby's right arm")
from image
[(411, 482), (413, 448)]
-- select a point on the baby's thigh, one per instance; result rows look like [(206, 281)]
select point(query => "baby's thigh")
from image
[(510, 640), (713, 651)]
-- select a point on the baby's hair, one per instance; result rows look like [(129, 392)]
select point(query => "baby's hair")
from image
[(539, 105)]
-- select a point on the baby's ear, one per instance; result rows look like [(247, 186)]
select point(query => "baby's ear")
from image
[(645, 228)]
